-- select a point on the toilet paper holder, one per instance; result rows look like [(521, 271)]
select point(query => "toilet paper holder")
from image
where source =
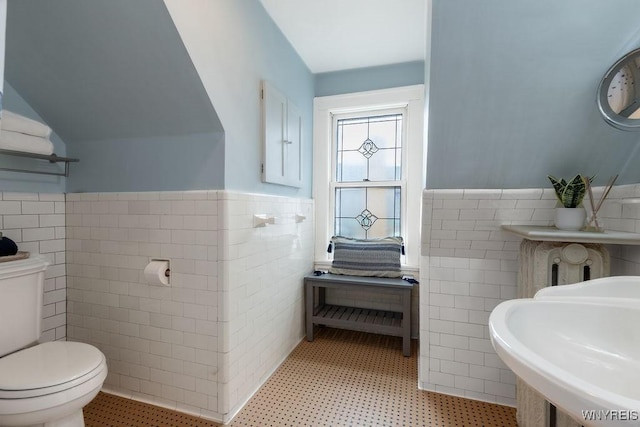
[(158, 272), (167, 272)]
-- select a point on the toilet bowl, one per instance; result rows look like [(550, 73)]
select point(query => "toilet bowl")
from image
[(48, 384), (41, 385)]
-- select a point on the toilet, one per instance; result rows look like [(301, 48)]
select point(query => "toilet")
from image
[(44, 385)]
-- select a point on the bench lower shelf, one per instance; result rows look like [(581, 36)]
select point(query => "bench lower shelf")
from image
[(359, 319)]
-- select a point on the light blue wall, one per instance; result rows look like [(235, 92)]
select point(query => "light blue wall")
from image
[(23, 182), (513, 89), (234, 44), (370, 78), (190, 162)]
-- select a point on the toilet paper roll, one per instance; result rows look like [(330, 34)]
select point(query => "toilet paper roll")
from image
[(155, 273)]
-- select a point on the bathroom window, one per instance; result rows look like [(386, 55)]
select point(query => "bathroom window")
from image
[(369, 168)]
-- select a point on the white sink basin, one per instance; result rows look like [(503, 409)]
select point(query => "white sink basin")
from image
[(581, 355), (606, 287)]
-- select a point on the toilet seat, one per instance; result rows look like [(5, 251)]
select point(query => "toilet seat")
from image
[(78, 369), (48, 368)]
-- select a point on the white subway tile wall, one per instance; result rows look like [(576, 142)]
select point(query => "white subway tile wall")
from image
[(161, 343), (36, 222), (233, 310), (468, 266), (262, 290)]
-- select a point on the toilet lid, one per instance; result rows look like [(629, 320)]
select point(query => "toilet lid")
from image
[(47, 365)]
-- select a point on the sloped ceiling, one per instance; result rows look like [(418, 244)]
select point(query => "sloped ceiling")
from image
[(105, 70)]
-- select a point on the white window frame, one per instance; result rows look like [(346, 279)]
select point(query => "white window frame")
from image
[(410, 98)]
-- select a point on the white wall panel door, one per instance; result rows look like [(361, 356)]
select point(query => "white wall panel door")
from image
[(282, 139)]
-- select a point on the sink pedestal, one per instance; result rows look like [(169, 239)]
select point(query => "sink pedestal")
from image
[(533, 410), (542, 264)]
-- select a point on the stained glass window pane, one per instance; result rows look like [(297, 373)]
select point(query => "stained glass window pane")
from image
[(352, 166), (351, 134), (349, 201), (369, 148), (386, 166), (367, 212)]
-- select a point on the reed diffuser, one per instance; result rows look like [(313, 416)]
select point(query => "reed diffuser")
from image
[(592, 221)]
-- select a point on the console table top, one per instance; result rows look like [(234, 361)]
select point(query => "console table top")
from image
[(358, 280), (552, 234)]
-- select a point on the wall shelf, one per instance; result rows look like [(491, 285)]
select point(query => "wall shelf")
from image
[(552, 234), (52, 159)]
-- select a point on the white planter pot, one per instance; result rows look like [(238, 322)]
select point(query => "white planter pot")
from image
[(570, 218)]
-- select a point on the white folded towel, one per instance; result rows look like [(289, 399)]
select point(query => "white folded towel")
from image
[(17, 141), (17, 123)]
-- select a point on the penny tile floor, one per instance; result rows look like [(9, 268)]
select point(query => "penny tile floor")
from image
[(342, 378)]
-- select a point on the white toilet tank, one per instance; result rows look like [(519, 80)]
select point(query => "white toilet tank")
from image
[(21, 288)]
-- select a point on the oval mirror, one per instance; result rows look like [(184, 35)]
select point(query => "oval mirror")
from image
[(619, 95)]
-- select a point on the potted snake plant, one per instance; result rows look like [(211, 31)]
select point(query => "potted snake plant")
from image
[(571, 214)]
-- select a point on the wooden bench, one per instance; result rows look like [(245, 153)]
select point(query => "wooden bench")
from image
[(359, 319)]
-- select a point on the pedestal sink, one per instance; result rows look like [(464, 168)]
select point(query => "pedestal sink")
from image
[(606, 287), (582, 355)]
